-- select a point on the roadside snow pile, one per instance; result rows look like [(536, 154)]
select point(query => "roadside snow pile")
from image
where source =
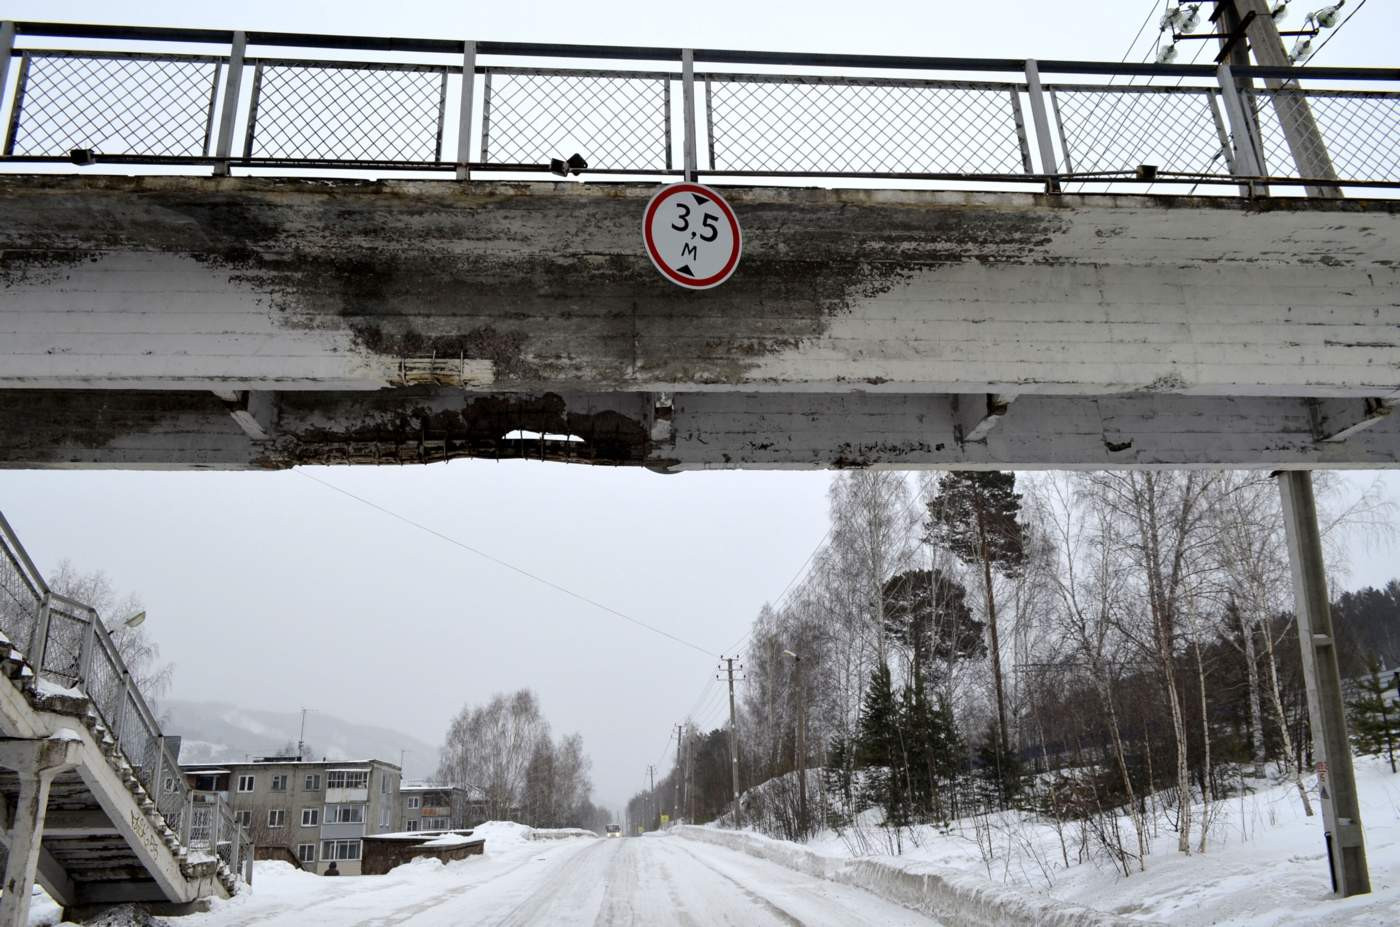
[(500, 835), (946, 895), (560, 833), (1265, 863)]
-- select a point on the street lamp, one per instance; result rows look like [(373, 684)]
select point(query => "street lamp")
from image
[(801, 745), (131, 621)]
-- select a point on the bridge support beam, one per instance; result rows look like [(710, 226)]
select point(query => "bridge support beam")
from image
[(36, 763)]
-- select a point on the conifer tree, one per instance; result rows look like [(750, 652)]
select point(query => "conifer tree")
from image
[(880, 748), (1375, 722), (976, 515)]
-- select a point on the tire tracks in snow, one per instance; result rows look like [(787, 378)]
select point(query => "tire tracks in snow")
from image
[(785, 917)]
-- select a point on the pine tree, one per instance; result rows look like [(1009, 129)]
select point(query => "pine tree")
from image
[(1375, 722), (976, 515)]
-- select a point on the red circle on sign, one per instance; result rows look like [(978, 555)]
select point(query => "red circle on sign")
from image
[(691, 283)]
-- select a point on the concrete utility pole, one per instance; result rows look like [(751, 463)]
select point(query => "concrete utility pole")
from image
[(651, 799), (1341, 811), (676, 802), (733, 740), (801, 744)]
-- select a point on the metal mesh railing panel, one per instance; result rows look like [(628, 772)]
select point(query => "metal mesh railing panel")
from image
[(1358, 131), (1106, 129), (831, 125), (19, 599), (173, 794), (617, 121), (374, 113), (115, 104), (63, 656)]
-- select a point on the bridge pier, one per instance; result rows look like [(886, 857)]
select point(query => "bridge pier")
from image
[(36, 762)]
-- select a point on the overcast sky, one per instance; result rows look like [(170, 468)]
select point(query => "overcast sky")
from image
[(275, 592)]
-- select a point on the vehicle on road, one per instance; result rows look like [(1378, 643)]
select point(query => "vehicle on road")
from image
[(614, 830)]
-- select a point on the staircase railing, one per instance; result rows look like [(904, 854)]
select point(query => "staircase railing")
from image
[(72, 653)]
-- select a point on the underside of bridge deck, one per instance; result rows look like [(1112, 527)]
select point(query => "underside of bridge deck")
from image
[(256, 322)]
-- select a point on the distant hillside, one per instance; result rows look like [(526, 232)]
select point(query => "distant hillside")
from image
[(214, 732)]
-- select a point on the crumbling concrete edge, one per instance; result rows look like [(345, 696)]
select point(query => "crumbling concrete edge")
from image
[(951, 897)]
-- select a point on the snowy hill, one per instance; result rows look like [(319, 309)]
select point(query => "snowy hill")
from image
[(215, 732)]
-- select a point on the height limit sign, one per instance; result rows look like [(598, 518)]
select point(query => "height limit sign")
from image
[(692, 236)]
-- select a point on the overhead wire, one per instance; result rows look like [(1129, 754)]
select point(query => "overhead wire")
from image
[(510, 566)]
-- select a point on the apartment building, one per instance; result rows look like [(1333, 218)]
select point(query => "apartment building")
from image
[(318, 810), (440, 807)]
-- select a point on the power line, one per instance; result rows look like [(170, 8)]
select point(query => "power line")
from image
[(509, 566)]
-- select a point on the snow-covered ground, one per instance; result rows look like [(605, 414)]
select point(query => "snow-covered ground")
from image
[(657, 880), (1265, 862)]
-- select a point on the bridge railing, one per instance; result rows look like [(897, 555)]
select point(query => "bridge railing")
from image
[(69, 647), (222, 100)]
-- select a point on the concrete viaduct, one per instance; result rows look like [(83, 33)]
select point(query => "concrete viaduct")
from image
[(201, 322)]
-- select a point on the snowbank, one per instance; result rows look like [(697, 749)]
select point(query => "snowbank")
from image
[(559, 833), (944, 894)]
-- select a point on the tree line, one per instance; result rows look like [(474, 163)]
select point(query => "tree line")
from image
[(1096, 648), (504, 749)]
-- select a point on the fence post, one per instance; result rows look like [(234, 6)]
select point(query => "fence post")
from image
[(233, 86), (1248, 162), (7, 45), (40, 644), (1042, 127), (464, 115), (688, 112)]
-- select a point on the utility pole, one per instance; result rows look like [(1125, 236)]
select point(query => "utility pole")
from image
[(301, 738), (733, 741), (1341, 811), (676, 802), (651, 799), (801, 745)]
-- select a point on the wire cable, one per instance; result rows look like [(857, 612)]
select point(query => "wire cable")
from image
[(509, 566)]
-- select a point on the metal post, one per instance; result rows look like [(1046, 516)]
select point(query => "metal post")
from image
[(7, 46), (733, 741), (1042, 127), (1341, 812), (464, 114), (233, 85), (40, 644), (688, 112)]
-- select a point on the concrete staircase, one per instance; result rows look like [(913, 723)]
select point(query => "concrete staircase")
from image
[(92, 805)]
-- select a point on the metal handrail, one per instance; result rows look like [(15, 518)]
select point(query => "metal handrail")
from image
[(314, 124), (97, 649)]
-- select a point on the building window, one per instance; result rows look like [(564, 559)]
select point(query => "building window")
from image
[(345, 814), (413, 803), (277, 817), (169, 784), (412, 825), (435, 824), (310, 817), (384, 816), (244, 818), (306, 852), (340, 849), (312, 782), (245, 783), (347, 779), (279, 783)]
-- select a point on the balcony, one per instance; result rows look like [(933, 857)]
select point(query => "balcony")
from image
[(345, 796)]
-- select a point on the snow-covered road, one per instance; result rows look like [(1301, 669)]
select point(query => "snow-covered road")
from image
[(640, 880)]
